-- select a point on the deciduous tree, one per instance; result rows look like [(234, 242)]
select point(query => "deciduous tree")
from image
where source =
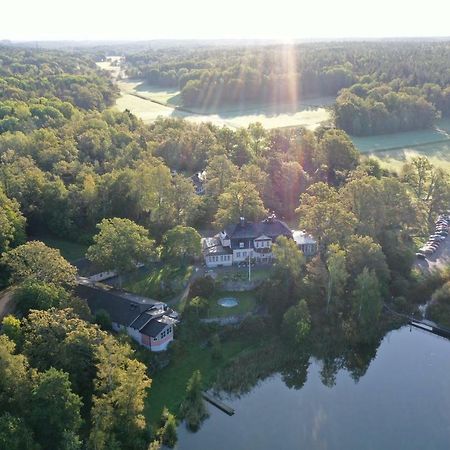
[(120, 245), (34, 261), (240, 199)]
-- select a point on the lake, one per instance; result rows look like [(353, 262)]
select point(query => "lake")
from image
[(401, 402)]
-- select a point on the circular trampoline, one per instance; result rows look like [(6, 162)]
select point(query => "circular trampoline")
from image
[(227, 302)]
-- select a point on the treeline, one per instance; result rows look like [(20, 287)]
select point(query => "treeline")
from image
[(27, 74), (392, 86), (367, 109), (64, 382)]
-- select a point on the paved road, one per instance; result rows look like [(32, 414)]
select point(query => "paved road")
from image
[(439, 259), (7, 305)]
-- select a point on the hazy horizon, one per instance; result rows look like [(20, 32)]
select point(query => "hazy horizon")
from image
[(138, 20)]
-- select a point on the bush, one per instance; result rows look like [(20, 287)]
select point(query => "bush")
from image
[(167, 433), (103, 319), (12, 329), (193, 409), (253, 326), (202, 287), (216, 346), (400, 304), (197, 307), (439, 310)]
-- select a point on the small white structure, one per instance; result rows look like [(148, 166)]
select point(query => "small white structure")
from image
[(305, 242), (215, 254)]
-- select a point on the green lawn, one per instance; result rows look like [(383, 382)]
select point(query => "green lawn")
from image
[(140, 99), (70, 250), (247, 302), (241, 273), (162, 283), (169, 384), (406, 139), (437, 153), (392, 150)]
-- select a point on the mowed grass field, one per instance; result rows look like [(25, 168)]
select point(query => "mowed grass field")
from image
[(392, 150), (309, 113), (149, 102)]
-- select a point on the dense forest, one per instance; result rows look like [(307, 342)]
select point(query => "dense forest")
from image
[(75, 168), (384, 86)]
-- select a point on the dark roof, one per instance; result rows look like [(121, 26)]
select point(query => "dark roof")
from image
[(270, 227), (145, 317), (154, 327), (122, 307)]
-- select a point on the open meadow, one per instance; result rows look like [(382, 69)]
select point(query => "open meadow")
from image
[(392, 150), (148, 102)]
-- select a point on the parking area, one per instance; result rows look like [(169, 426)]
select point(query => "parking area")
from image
[(436, 252), (439, 259)]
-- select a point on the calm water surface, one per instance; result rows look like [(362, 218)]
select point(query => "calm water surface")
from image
[(402, 402)]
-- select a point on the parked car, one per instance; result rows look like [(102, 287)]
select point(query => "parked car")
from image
[(420, 255)]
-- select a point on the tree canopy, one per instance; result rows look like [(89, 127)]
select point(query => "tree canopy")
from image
[(120, 245)]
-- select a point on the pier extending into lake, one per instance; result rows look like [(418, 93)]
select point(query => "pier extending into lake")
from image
[(218, 404), (422, 324)]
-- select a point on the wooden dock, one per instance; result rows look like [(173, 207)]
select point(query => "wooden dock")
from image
[(430, 327), (218, 404), (423, 324)]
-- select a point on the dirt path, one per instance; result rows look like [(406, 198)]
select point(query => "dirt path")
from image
[(7, 305)]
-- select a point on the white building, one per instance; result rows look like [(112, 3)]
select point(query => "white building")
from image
[(239, 242), (305, 242), (148, 322)]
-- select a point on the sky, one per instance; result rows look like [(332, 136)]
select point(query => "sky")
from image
[(224, 19)]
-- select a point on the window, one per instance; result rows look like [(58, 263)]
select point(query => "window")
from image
[(238, 254), (241, 245), (244, 254)]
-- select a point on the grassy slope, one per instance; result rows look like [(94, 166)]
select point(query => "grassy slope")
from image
[(169, 384), (149, 283), (69, 250), (408, 139), (392, 150)]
